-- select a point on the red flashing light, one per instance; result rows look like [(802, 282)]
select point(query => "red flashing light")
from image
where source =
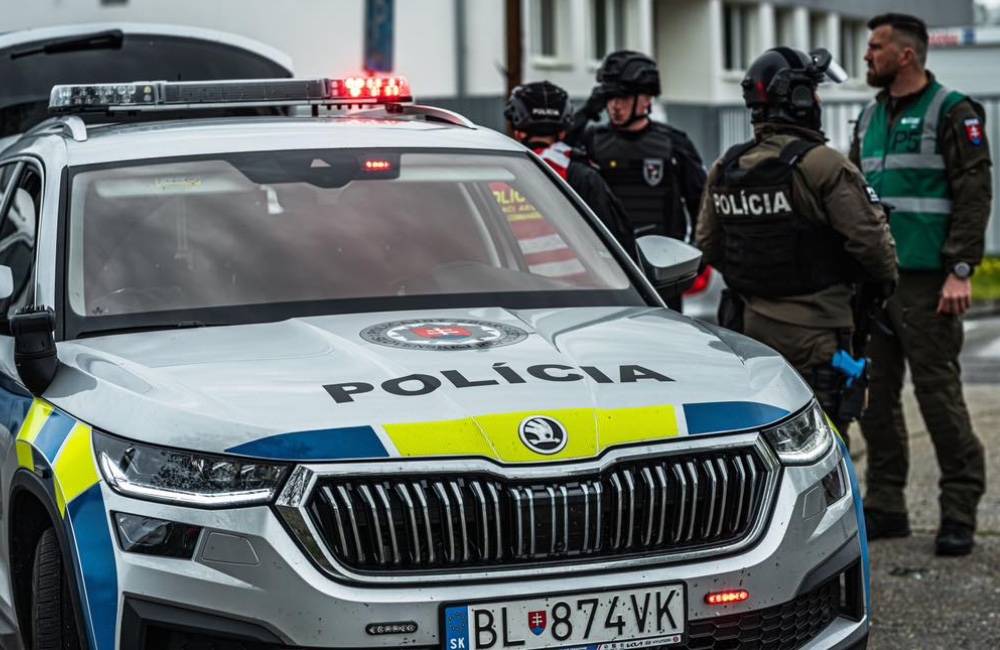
[(384, 89), (377, 166), (701, 282), (727, 597)]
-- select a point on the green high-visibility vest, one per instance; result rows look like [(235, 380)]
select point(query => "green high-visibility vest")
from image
[(903, 163)]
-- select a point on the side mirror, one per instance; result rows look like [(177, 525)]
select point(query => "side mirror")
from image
[(6, 282), (35, 347), (670, 264)]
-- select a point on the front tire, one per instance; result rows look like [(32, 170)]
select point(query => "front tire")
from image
[(53, 623)]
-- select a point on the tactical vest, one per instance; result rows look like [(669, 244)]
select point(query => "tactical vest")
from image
[(640, 171), (902, 162), (771, 250)]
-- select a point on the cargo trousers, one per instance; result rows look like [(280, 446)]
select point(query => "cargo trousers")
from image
[(808, 349), (929, 344)]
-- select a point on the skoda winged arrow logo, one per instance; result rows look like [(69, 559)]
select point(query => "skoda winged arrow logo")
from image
[(543, 435)]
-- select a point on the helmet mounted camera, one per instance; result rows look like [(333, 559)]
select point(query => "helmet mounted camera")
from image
[(828, 68)]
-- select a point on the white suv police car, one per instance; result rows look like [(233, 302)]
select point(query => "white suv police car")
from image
[(377, 378)]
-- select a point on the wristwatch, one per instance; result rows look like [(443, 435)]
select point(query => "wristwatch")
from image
[(962, 270)]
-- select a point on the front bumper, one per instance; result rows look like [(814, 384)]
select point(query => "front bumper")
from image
[(251, 583)]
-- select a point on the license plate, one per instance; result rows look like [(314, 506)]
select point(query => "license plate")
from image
[(619, 619)]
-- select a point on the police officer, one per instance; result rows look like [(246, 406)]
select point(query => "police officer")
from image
[(923, 148), (653, 168), (792, 225), (539, 113)]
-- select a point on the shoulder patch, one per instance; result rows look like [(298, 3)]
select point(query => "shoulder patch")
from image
[(872, 195), (974, 131)]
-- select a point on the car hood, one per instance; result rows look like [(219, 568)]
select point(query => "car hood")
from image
[(443, 383)]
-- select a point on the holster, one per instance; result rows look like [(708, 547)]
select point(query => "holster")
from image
[(730, 312), (842, 402), (827, 383), (854, 399)]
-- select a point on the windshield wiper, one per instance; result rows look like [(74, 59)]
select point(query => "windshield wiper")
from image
[(108, 40), (179, 325)]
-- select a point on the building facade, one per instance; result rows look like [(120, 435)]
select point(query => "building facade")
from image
[(454, 51)]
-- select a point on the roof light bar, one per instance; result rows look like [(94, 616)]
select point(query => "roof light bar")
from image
[(170, 95)]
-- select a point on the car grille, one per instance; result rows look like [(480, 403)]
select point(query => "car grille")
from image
[(418, 522)]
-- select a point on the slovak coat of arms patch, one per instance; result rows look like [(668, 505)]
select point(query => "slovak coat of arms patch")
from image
[(652, 171)]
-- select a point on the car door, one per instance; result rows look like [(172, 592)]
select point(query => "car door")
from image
[(20, 201), (20, 205)]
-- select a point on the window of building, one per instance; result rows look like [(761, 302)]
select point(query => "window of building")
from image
[(609, 26), (853, 36), (549, 21), (819, 34), (739, 35), (784, 27)]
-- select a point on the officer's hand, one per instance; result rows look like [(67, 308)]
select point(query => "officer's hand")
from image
[(956, 296), (595, 103)]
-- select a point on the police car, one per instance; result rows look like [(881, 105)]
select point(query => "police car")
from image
[(361, 374)]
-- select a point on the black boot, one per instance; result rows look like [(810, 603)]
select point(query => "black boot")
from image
[(883, 525), (954, 538)]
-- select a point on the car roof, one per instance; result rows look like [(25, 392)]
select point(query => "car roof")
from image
[(108, 143)]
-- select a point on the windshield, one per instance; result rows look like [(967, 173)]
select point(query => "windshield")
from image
[(340, 230)]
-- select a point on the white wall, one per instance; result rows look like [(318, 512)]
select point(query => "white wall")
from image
[(323, 37), (965, 68), (685, 49), (425, 44), (484, 47)]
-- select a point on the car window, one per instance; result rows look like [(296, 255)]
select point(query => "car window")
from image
[(279, 227), (18, 229), (6, 176)]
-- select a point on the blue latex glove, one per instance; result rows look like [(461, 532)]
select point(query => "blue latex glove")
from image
[(852, 368)]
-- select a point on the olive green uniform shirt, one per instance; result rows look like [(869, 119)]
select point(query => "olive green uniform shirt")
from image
[(831, 191), (967, 166)]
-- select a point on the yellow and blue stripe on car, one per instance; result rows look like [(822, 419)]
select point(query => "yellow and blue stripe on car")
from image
[(495, 435), (58, 448)]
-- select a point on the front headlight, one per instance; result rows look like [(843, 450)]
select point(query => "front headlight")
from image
[(185, 477), (803, 439)]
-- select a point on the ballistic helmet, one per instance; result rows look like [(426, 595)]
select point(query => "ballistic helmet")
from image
[(624, 73), (539, 108), (780, 86)]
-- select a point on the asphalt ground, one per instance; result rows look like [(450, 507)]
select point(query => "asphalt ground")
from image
[(918, 599)]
